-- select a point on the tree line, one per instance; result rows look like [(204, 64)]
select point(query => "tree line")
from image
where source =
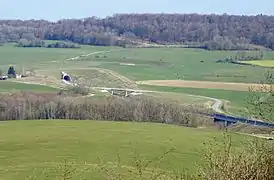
[(41, 43), (212, 32), (242, 56)]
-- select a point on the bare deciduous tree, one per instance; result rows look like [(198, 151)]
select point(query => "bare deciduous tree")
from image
[(129, 30), (223, 161), (260, 103)]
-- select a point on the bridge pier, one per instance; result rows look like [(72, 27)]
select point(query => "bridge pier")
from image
[(226, 123)]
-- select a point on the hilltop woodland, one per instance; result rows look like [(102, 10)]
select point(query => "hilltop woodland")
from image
[(212, 32)]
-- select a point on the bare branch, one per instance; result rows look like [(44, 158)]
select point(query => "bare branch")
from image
[(260, 103)]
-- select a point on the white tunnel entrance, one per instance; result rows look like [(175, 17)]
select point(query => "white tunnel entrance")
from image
[(65, 77)]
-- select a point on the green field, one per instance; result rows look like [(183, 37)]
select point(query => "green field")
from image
[(8, 86), (264, 63), (236, 99), (28, 147), (130, 65), (34, 57), (174, 63), (149, 63)]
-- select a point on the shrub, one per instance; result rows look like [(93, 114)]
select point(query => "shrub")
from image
[(26, 106), (254, 162)]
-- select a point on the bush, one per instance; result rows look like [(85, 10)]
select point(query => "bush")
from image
[(254, 162), (27, 106), (30, 43), (62, 45)]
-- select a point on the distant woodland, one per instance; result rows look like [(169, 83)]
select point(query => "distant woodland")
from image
[(34, 42), (212, 32)]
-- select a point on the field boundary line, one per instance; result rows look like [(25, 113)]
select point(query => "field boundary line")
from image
[(118, 76), (124, 79), (92, 53), (200, 84), (35, 83)]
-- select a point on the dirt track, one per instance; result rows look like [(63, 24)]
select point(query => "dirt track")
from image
[(201, 84)]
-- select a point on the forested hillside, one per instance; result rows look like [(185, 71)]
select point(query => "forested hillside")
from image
[(221, 32)]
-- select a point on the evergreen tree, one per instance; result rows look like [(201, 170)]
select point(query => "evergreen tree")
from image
[(11, 72)]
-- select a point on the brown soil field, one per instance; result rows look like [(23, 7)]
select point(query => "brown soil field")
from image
[(201, 84)]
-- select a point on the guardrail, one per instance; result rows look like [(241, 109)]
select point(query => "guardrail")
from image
[(233, 120)]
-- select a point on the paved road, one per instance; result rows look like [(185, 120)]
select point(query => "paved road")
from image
[(216, 106)]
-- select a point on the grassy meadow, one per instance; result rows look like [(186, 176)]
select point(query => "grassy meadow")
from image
[(8, 86), (177, 63), (29, 149), (34, 147), (136, 63), (121, 67), (236, 99), (36, 57), (263, 63)]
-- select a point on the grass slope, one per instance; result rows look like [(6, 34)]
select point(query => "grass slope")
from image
[(149, 63), (103, 78), (174, 63), (237, 98), (27, 147), (27, 56), (264, 63), (8, 86), (146, 64)]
